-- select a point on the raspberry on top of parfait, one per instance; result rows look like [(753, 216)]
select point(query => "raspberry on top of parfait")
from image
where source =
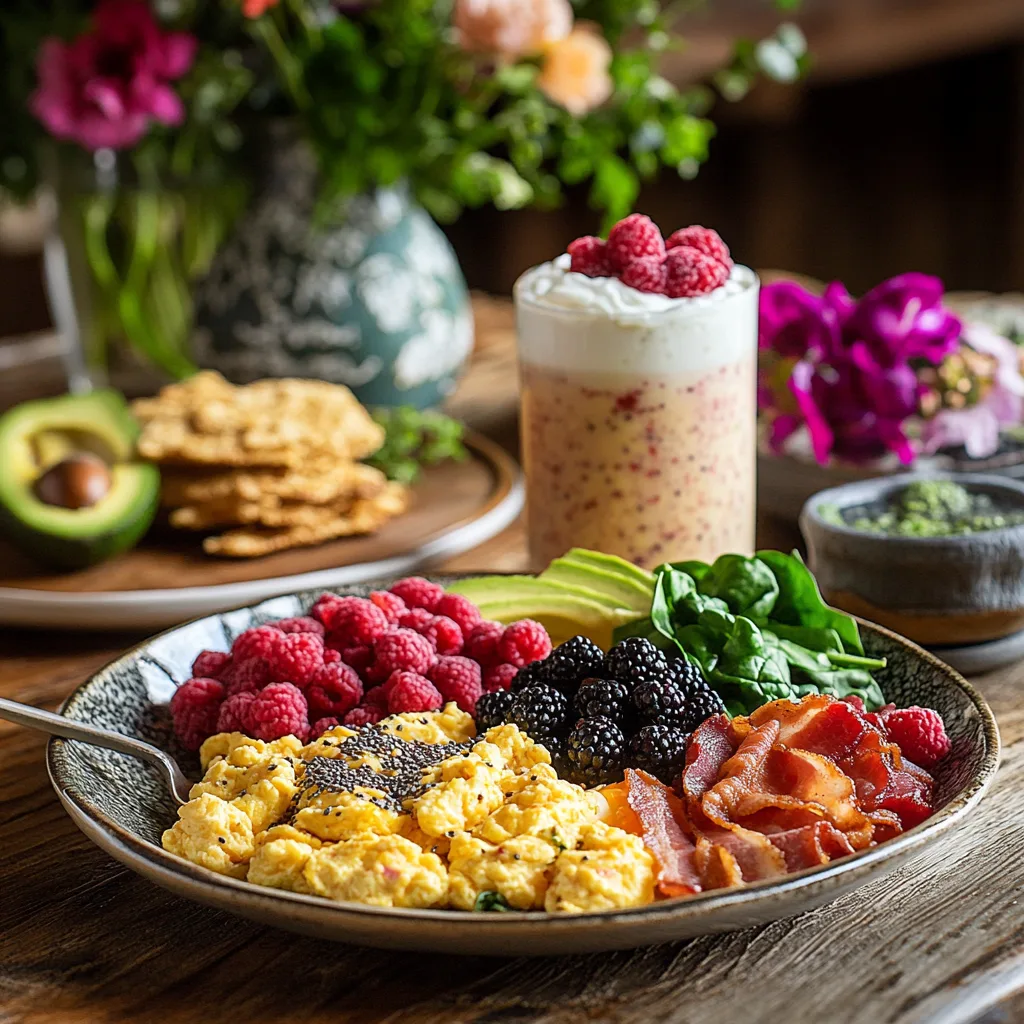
[(690, 262)]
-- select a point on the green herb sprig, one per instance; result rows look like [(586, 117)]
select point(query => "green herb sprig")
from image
[(415, 438)]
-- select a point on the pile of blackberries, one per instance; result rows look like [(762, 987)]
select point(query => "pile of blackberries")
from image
[(600, 713)]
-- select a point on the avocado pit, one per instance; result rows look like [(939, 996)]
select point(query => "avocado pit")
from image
[(79, 481)]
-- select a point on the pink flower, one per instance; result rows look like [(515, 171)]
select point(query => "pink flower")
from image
[(511, 28), (105, 87)]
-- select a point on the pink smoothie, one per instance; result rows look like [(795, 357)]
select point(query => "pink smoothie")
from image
[(638, 426)]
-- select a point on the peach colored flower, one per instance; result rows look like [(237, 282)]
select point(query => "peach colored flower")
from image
[(514, 28), (257, 8), (574, 73)]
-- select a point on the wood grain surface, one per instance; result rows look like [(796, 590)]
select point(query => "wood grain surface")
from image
[(84, 940)]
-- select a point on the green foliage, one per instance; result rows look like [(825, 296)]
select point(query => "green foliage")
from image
[(414, 439), (759, 630), (385, 94)]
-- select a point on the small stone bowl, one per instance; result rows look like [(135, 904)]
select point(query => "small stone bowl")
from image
[(962, 589)]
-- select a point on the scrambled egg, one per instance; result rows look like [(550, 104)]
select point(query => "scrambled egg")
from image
[(490, 824)]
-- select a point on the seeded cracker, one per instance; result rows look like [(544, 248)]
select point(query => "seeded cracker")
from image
[(320, 483), (365, 516), (206, 420), (259, 513)]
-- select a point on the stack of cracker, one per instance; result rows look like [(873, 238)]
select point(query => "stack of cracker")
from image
[(274, 464)]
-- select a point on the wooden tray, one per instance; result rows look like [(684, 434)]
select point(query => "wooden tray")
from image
[(168, 579)]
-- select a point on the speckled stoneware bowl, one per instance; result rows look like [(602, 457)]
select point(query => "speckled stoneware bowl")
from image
[(962, 589), (121, 805)]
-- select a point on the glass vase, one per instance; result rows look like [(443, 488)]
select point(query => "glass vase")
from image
[(125, 247)]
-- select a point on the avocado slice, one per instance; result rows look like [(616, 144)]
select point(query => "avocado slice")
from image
[(610, 564), (625, 591), (36, 437), (562, 608)]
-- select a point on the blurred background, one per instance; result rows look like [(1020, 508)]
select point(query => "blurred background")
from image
[(902, 148)]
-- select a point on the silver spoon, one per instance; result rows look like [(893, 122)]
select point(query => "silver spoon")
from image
[(57, 725)]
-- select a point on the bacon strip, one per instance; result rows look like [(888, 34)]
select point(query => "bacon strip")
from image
[(710, 747), (810, 845), (661, 815)]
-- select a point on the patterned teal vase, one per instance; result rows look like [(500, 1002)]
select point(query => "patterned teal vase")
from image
[(372, 298)]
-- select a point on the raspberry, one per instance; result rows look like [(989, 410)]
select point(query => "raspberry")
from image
[(588, 256), (459, 609), (409, 691), (334, 690), (390, 604), (632, 238), (321, 725), (279, 710), (877, 718), (688, 272), (524, 641), (646, 274), (195, 708), (704, 240), (363, 715), (234, 713), (415, 618), (255, 643), (332, 656), (499, 677), (919, 733), (443, 634), (376, 696), (354, 620), (417, 592), (211, 665), (360, 658), (321, 608), (297, 659), (400, 650), (458, 679), (482, 643), (300, 624), (247, 676), (857, 702)]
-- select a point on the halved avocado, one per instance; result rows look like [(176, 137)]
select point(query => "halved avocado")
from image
[(37, 436)]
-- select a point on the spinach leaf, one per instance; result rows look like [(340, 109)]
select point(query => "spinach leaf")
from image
[(491, 901), (698, 646), (747, 585), (814, 638), (800, 602), (694, 569), (751, 668)]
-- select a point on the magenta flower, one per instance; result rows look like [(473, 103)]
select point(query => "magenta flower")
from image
[(853, 381), (105, 87)]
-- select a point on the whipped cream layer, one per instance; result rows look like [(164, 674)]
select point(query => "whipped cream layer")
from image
[(570, 321)]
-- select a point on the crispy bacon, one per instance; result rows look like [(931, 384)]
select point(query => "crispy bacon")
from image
[(810, 845), (710, 747), (795, 784), (662, 817)]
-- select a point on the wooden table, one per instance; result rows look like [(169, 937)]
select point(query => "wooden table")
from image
[(82, 939)]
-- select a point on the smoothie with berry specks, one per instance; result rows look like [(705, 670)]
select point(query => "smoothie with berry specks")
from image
[(639, 400)]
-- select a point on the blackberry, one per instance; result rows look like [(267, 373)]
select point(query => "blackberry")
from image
[(659, 750), (633, 661), (528, 675), (602, 698), (700, 705), (595, 749), (686, 677), (572, 662), (492, 709), (540, 711), (659, 702)]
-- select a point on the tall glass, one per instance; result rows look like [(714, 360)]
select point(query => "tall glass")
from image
[(638, 417)]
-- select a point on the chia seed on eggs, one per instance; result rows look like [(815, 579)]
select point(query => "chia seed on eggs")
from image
[(400, 779)]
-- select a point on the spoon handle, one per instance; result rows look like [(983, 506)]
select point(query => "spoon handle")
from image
[(58, 725)]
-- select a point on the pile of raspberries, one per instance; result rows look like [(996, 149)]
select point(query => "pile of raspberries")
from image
[(352, 661), (691, 261)]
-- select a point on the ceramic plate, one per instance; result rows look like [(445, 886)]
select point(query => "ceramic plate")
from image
[(121, 805), (167, 579)]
